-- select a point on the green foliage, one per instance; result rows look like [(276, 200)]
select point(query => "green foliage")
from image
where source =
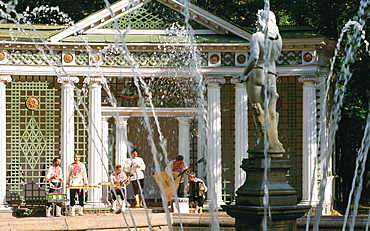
[(76, 9), (328, 17), (241, 12)]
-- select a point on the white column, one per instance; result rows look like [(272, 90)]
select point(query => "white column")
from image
[(105, 147), (214, 167), (3, 204), (121, 139), (67, 124), (309, 159), (201, 147), (241, 131), (105, 157), (95, 143), (184, 137)]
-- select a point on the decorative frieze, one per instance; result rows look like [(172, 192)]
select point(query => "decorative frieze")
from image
[(146, 59)]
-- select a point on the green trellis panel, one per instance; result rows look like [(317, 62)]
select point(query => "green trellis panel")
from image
[(227, 141), (32, 141)]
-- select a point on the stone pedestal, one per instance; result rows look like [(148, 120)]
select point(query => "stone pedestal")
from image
[(281, 210), (251, 218)]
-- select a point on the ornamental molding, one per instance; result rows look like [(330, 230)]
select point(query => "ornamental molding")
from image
[(156, 47), (68, 80), (236, 81), (93, 80), (184, 119), (121, 120), (32, 103), (214, 80), (5, 78), (309, 79)]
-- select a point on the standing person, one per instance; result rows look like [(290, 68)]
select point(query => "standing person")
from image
[(119, 179), (196, 190), (178, 165), (77, 176), (260, 76), (55, 177), (135, 167)]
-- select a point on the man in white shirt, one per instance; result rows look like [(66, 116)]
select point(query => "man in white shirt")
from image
[(77, 176), (55, 177)]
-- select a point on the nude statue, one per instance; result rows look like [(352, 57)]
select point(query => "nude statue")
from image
[(260, 76)]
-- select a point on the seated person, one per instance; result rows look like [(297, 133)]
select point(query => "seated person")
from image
[(178, 165), (119, 179), (196, 190)]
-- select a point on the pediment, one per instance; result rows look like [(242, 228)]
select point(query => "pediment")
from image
[(150, 17)]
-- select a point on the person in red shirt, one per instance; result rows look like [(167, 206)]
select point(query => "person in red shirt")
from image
[(55, 177), (77, 176), (120, 180), (178, 165)]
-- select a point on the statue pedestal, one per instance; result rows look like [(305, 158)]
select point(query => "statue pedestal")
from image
[(282, 198), (250, 218)]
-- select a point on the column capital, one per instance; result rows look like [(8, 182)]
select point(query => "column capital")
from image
[(105, 117), (94, 80), (239, 86), (184, 119), (236, 81), (217, 80), (66, 79), (5, 78), (121, 120), (308, 79)]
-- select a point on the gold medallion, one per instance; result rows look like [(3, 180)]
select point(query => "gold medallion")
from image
[(2, 56), (241, 59), (68, 58), (307, 57), (214, 58), (32, 103)]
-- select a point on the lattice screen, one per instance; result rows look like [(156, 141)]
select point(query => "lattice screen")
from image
[(32, 140), (228, 140)]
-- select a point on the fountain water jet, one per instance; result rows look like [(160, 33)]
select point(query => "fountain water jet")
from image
[(351, 47)]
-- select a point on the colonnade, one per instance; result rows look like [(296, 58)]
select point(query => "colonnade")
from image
[(98, 135)]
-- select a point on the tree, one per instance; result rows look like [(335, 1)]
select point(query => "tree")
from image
[(75, 9)]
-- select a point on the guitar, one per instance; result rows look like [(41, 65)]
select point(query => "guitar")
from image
[(201, 160), (124, 182)]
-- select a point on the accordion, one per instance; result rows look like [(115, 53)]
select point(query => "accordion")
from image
[(194, 189)]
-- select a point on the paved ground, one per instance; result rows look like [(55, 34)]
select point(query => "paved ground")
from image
[(87, 222), (138, 220)]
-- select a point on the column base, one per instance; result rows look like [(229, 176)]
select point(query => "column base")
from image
[(219, 204), (307, 202), (91, 205), (6, 211)]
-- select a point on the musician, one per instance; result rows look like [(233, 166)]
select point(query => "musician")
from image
[(178, 165), (55, 177), (76, 176), (119, 179), (196, 190), (135, 166)]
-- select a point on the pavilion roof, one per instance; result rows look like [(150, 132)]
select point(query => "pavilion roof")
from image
[(147, 25)]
